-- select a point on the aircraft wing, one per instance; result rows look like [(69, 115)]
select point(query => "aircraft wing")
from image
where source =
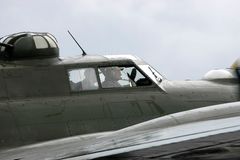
[(170, 135)]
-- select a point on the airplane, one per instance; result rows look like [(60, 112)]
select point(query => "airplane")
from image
[(93, 106)]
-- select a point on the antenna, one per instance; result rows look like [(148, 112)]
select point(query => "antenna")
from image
[(83, 52)]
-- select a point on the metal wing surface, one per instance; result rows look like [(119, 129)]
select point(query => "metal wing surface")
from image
[(189, 127)]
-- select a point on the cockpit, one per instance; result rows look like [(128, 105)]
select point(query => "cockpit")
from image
[(117, 74), (109, 77)]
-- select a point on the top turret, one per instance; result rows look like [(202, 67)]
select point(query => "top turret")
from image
[(28, 45)]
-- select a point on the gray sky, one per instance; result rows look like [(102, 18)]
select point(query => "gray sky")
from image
[(182, 39)]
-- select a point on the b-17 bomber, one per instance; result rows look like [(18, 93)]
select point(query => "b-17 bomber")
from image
[(93, 106)]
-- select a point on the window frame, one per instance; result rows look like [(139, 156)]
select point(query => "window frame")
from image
[(97, 65)]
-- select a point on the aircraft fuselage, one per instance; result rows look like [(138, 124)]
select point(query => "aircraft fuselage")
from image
[(38, 103)]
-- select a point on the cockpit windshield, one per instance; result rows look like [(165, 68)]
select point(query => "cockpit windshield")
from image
[(152, 73)]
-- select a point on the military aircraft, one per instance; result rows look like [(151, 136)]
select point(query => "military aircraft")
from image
[(93, 106)]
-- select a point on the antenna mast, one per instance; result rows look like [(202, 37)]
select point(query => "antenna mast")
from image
[(83, 52)]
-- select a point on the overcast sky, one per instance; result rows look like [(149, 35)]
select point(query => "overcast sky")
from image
[(182, 39)]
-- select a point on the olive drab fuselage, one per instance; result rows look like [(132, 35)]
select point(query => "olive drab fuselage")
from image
[(38, 103)]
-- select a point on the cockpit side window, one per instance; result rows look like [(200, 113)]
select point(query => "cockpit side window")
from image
[(82, 79), (122, 76)]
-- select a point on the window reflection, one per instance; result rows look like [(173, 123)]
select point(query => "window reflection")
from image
[(40, 42), (83, 79)]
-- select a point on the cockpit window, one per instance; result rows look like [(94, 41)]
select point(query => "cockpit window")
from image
[(83, 79), (40, 42), (124, 76), (153, 74)]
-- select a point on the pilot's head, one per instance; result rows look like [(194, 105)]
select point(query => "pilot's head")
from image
[(113, 73)]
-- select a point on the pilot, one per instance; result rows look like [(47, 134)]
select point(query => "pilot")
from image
[(90, 81), (112, 76)]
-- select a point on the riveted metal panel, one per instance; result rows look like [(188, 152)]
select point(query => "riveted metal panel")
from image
[(36, 82)]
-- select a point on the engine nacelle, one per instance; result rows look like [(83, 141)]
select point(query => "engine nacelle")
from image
[(220, 74)]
